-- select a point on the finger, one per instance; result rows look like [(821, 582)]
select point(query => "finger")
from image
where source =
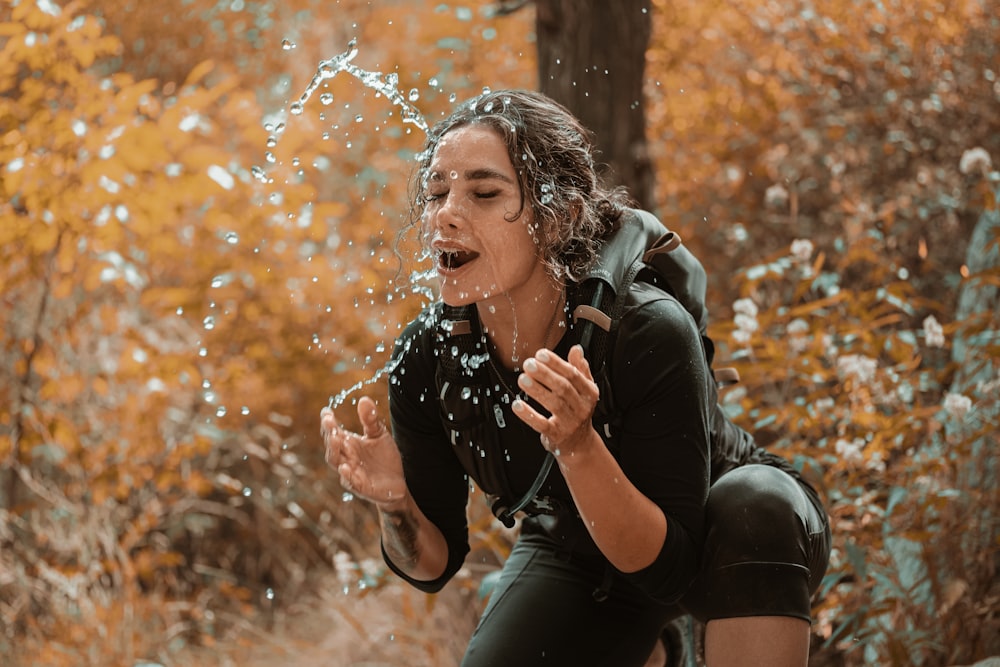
[(332, 437), (537, 421), (327, 422), (579, 361), (370, 421), (559, 389), (536, 371)]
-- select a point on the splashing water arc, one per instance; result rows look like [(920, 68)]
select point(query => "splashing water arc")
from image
[(387, 86)]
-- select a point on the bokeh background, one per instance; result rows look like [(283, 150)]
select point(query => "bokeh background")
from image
[(191, 267)]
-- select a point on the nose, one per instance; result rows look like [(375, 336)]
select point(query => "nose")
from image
[(450, 210)]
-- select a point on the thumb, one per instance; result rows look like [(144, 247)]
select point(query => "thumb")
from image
[(370, 420)]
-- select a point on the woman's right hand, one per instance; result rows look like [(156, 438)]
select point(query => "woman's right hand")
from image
[(369, 464)]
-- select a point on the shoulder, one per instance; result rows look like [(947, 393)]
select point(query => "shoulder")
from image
[(657, 347), (653, 315)]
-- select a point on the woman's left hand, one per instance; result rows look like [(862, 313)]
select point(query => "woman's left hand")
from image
[(567, 390)]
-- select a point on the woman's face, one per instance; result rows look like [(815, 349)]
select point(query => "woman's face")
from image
[(485, 250)]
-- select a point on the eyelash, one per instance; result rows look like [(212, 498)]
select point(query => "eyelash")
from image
[(429, 197)]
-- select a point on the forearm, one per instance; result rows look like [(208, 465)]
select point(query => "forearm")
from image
[(627, 527), (412, 542)]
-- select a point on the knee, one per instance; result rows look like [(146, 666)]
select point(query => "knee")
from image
[(755, 510)]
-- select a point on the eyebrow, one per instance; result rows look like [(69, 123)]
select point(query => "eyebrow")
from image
[(480, 174)]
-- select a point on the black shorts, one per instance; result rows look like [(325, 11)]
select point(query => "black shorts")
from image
[(766, 549)]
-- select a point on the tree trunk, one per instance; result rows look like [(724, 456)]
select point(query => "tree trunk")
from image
[(591, 58)]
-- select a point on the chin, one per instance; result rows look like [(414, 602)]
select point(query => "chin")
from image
[(455, 296)]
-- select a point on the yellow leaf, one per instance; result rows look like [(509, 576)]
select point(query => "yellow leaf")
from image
[(199, 72)]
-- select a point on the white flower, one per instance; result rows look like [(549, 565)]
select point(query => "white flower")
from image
[(857, 366), (776, 196), (933, 332), (802, 249), (796, 331), (850, 451), (824, 404), (957, 405), (746, 323), (741, 336), (745, 306), (975, 161), (797, 327)]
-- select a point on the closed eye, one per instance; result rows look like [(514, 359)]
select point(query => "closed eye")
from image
[(487, 195)]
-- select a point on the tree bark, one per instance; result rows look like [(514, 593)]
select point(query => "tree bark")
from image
[(591, 58)]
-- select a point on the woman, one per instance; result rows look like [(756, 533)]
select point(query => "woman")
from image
[(672, 511)]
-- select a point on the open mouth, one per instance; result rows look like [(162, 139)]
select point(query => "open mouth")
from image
[(454, 259)]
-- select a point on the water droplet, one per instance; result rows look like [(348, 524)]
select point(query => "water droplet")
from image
[(247, 491), (326, 98), (287, 44), (347, 497), (232, 238), (209, 323), (414, 95), (269, 594), (220, 411), (296, 108)]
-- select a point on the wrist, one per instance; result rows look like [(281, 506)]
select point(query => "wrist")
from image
[(585, 447), (394, 505)]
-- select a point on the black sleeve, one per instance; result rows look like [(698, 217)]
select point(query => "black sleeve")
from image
[(660, 380), (434, 477)]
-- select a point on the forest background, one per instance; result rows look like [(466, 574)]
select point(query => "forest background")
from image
[(191, 267)]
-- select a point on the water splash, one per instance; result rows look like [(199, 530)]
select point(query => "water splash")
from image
[(386, 84), (339, 399)]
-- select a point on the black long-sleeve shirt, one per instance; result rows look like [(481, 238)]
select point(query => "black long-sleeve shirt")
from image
[(669, 436)]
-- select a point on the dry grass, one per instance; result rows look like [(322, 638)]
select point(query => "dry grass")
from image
[(388, 626)]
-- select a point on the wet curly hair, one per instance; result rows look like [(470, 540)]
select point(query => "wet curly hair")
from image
[(553, 155)]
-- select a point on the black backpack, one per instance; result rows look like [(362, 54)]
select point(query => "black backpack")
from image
[(640, 249)]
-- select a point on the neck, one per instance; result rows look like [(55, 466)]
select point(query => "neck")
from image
[(517, 332)]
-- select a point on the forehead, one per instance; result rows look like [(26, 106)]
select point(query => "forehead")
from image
[(471, 146)]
